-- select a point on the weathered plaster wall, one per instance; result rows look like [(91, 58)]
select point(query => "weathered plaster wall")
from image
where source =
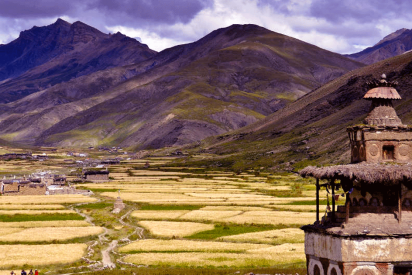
[(358, 250), (323, 246)]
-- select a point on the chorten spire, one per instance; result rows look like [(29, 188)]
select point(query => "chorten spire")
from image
[(381, 94)]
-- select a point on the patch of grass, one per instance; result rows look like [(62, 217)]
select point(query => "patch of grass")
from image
[(283, 193), (42, 217), (99, 205), (232, 229), (170, 207), (309, 202), (100, 190)]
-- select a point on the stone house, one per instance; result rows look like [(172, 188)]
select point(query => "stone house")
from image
[(51, 179), (96, 175), (21, 187)]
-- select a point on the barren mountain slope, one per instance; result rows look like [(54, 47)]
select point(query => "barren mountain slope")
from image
[(313, 128), (226, 80)]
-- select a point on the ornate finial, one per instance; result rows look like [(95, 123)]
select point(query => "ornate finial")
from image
[(381, 83)]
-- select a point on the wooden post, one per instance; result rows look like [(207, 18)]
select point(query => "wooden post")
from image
[(347, 208), (317, 200), (400, 203), (333, 199)]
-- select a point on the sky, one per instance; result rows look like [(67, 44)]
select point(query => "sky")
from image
[(342, 26)]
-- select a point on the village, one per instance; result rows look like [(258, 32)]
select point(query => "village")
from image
[(48, 183)]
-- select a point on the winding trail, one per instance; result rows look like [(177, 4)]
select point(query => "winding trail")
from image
[(106, 261), (138, 230)]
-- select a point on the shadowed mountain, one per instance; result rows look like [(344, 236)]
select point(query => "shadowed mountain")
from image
[(229, 79), (393, 44), (312, 130), (45, 56)]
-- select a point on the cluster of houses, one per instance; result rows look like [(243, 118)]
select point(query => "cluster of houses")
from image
[(49, 184), (45, 184), (29, 155)]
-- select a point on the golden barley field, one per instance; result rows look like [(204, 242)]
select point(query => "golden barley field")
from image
[(154, 245), (174, 229), (55, 199), (31, 207), (201, 199), (40, 255), (47, 234), (275, 255), (180, 209), (189, 217), (278, 236), (32, 224), (159, 214), (35, 212)]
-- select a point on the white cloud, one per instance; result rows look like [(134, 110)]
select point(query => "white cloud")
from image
[(152, 39), (227, 12), (11, 28)]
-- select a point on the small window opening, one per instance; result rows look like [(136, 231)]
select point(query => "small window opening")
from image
[(388, 152), (362, 202), (374, 202)]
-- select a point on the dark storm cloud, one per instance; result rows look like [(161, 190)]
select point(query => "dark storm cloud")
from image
[(159, 11), (120, 11), (338, 11), (23, 9)]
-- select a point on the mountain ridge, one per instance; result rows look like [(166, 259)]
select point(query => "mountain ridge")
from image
[(391, 45), (44, 56), (228, 79)]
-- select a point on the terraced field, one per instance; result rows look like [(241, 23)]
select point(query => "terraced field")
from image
[(183, 217), (196, 218), (37, 232)]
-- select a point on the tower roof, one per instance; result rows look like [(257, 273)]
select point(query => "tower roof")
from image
[(382, 92)]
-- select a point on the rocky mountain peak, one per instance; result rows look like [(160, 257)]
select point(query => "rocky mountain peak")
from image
[(60, 22), (56, 53), (391, 45), (82, 32), (392, 36)]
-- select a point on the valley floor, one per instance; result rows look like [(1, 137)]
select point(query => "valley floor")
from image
[(176, 220)]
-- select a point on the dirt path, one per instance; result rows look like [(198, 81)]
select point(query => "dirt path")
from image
[(138, 230), (106, 261)]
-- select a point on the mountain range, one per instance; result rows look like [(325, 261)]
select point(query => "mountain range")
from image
[(231, 78), (245, 87)]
